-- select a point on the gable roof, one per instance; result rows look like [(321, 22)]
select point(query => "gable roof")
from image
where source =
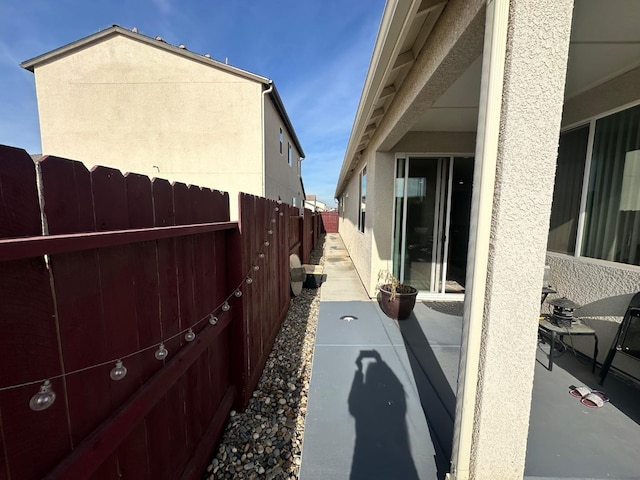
[(158, 42)]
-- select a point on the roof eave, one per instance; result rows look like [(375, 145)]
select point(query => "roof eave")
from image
[(117, 30), (393, 23), (277, 101)]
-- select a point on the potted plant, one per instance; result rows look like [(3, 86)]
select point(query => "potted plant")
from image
[(396, 299)]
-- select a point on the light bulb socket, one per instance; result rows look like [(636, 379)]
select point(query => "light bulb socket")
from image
[(270, 232), (249, 280), (190, 336), (44, 398), (118, 372), (226, 306), (213, 319), (161, 352), (256, 267), (266, 243), (261, 255), (238, 293)]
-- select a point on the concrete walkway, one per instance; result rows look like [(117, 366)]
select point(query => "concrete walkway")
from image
[(364, 416), (369, 422)]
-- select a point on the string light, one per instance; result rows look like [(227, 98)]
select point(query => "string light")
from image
[(44, 398), (161, 352), (118, 372), (190, 336)]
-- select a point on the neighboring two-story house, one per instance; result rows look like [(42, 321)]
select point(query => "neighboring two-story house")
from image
[(125, 100)]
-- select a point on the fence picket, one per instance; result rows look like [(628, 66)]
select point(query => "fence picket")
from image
[(19, 208), (108, 300)]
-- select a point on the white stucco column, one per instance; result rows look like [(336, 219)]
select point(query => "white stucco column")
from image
[(513, 187)]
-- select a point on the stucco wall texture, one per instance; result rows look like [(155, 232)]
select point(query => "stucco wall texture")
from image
[(603, 289), (122, 103), (281, 179), (537, 47), (358, 243)]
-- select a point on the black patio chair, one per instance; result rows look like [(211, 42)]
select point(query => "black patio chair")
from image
[(627, 340)]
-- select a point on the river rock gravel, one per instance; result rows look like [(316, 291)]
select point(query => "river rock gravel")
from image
[(265, 441)]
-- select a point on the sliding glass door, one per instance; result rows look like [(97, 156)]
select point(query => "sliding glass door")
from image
[(425, 195)]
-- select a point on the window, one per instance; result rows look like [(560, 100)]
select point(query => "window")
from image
[(567, 193), (363, 199), (293, 201), (612, 211), (289, 154), (281, 140), (611, 206)]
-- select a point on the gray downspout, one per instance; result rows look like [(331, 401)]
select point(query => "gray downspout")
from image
[(264, 153)]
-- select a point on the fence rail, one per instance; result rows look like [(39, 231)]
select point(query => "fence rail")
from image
[(127, 264)]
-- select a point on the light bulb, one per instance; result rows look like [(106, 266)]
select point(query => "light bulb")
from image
[(189, 336), (277, 209), (279, 202), (261, 255), (161, 352), (249, 280), (256, 267), (266, 243), (213, 319), (273, 220), (270, 232), (238, 293), (118, 372), (281, 214), (226, 306), (44, 398)]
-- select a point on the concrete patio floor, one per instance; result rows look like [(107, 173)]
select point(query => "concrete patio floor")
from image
[(393, 418)]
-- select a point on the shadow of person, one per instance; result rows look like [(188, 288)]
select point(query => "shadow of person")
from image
[(377, 402)]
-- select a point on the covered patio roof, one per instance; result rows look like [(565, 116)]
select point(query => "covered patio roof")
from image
[(605, 43)]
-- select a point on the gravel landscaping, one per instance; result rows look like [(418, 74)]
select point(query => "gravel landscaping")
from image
[(265, 441)]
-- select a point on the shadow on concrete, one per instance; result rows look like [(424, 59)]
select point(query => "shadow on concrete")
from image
[(449, 308), (436, 396), (377, 402), (623, 393)]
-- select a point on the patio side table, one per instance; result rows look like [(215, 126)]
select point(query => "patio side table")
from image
[(577, 328)]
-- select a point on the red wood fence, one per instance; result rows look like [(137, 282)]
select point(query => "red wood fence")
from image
[(127, 264), (330, 222)]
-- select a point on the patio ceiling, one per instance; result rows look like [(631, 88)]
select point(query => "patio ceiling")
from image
[(605, 42)]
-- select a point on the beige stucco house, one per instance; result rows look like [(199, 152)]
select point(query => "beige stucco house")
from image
[(136, 103), (494, 137)]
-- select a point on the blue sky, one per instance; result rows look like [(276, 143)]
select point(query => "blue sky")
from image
[(316, 51)]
